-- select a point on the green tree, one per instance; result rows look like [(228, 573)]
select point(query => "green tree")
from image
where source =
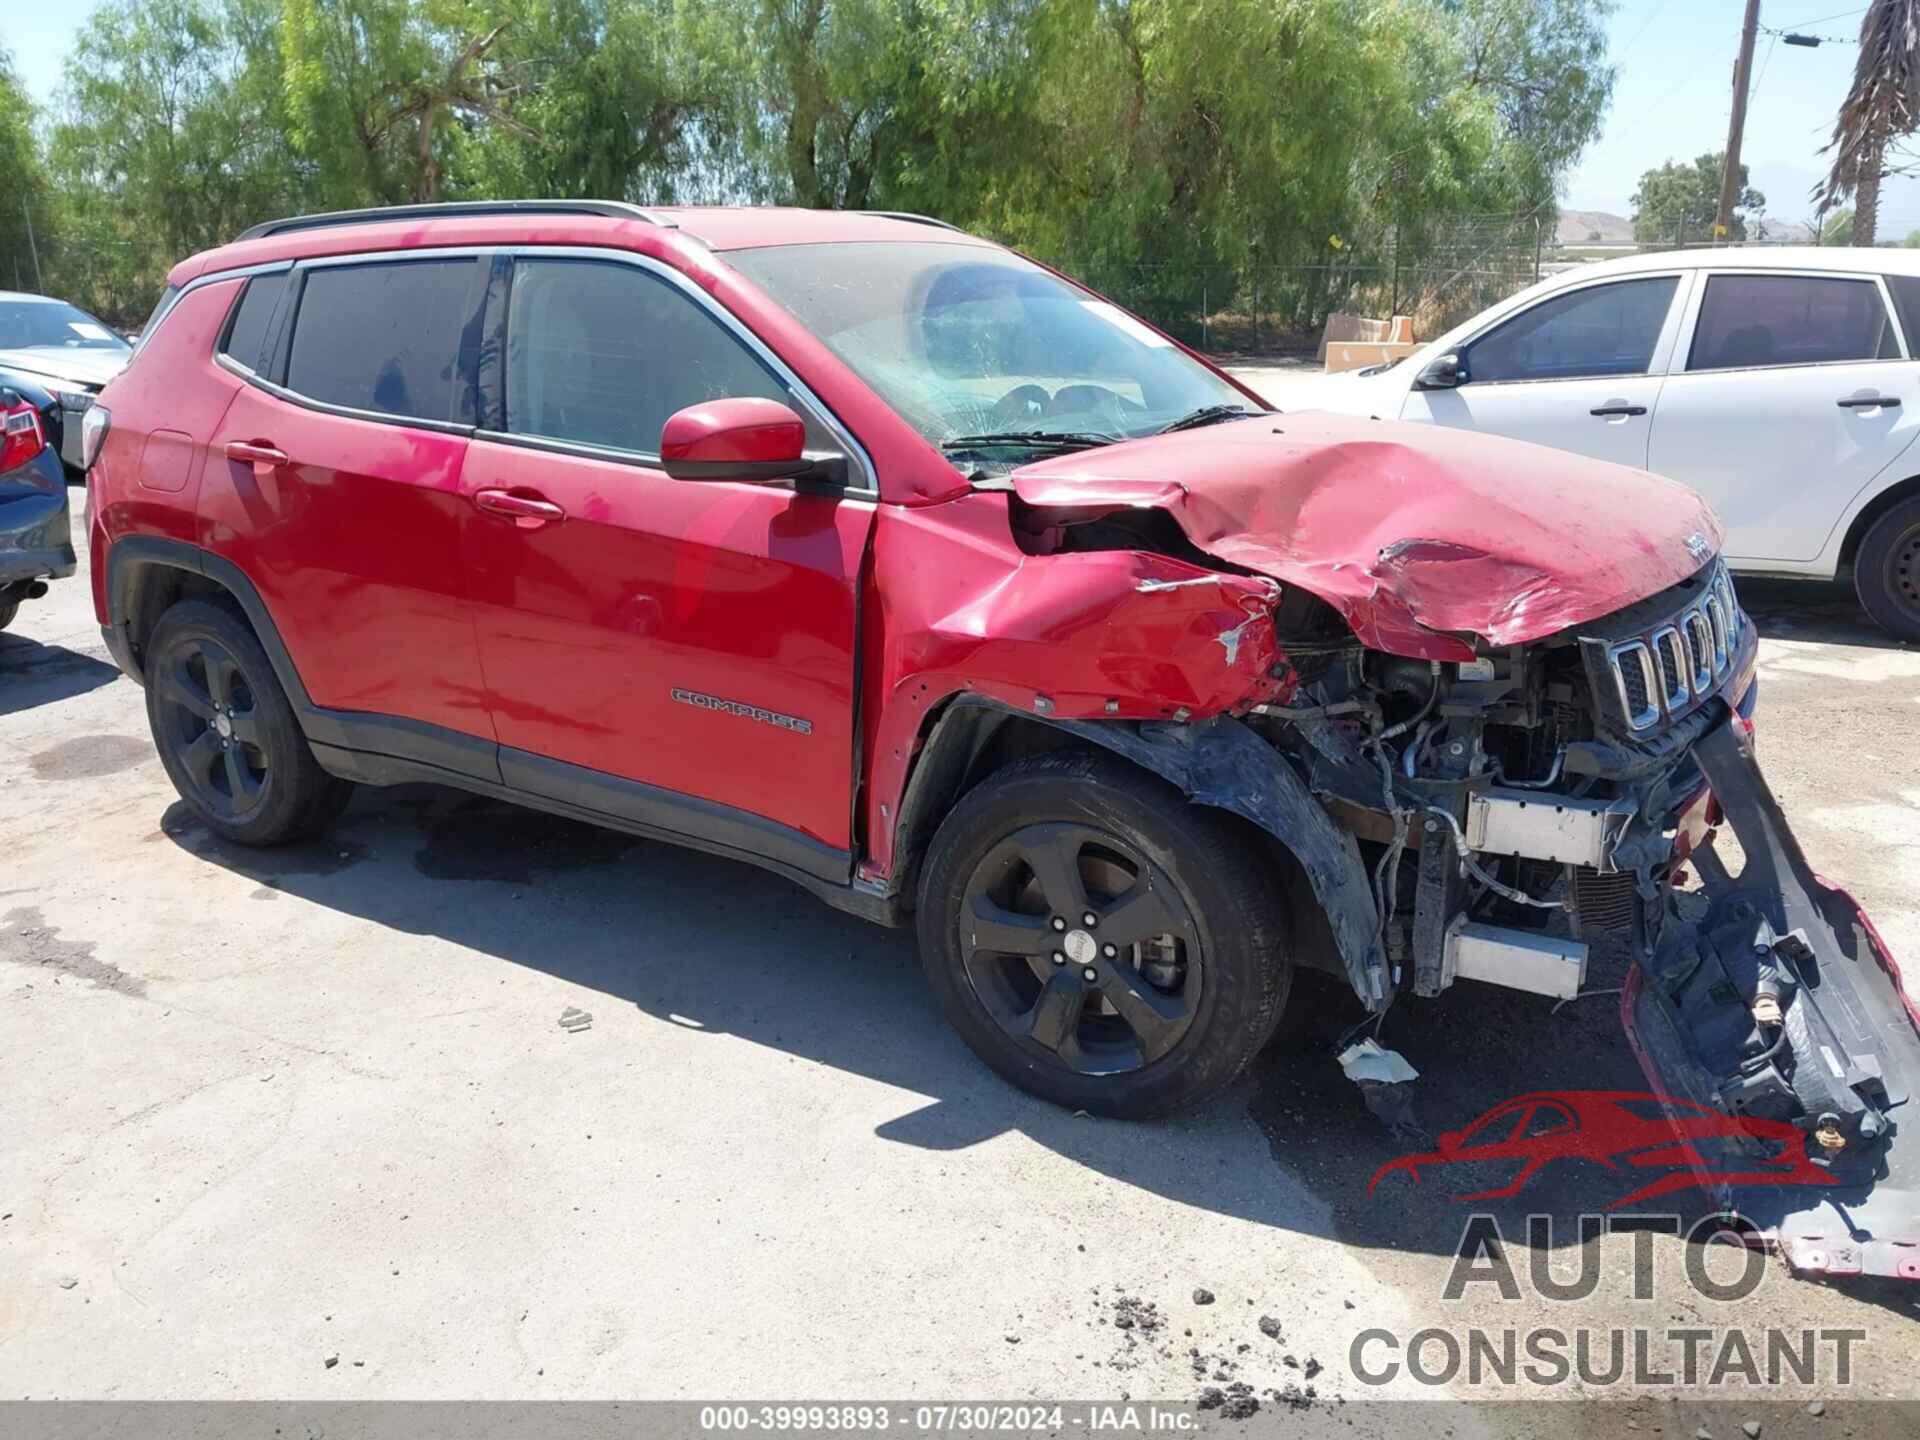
[(377, 91), (1838, 228), (24, 211), (159, 149), (1544, 64), (1152, 144), (612, 99), (1677, 203)]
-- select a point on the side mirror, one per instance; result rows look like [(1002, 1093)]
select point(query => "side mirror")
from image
[(1444, 373), (746, 438), (1449, 1141)]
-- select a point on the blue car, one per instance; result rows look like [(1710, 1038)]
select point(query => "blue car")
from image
[(36, 539), (57, 357)]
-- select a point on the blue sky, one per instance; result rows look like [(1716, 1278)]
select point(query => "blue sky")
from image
[(1671, 101), (1676, 86)]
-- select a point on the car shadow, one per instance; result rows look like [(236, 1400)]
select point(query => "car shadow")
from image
[(34, 674), (1821, 611), (721, 948)]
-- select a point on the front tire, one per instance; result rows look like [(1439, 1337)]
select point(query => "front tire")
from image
[(1886, 571), (227, 733), (1100, 941)]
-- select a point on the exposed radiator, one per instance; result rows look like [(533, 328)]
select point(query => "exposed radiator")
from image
[(1604, 904)]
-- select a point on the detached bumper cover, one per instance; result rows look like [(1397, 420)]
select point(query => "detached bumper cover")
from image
[(1783, 1004)]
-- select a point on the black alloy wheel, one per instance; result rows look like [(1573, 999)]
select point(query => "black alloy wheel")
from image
[(227, 733), (204, 710), (1081, 949), (1101, 941)]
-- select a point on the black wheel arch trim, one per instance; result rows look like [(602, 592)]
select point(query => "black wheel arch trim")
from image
[(382, 749), (1219, 763)]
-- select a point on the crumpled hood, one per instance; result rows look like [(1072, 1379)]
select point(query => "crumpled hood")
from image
[(57, 363), (1417, 534)]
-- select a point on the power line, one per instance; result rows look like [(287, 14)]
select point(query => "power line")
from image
[(1652, 15), (1822, 19), (1797, 37), (1765, 60)]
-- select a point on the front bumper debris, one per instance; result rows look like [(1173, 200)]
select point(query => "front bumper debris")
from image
[(1783, 1004)]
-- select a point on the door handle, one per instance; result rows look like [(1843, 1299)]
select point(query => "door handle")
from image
[(1868, 402), (528, 512), (254, 452), (1619, 410)]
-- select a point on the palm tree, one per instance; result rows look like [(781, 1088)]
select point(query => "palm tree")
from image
[(1882, 106)]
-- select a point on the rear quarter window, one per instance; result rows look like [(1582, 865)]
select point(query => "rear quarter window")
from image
[(1906, 301), (383, 337), (247, 330)]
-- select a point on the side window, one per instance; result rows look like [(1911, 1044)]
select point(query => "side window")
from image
[(1602, 330), (1906, 301), (1749, 320), (601, 354), (383, 337), (247, 332)]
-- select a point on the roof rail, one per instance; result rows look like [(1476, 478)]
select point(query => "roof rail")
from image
[(453, 209), (910, 217)]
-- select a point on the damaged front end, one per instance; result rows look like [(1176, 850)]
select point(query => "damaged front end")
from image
[(1783, 1004), (1525, 809), (1525, 725)]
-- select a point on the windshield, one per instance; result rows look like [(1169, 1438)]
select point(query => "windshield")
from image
[(976, 347), (30, 324)]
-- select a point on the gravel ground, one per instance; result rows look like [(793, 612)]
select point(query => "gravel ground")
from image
[(319, 1122)]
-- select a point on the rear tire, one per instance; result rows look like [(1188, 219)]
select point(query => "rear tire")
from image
[(1157, 1004), (227, 733), (1886, 571)]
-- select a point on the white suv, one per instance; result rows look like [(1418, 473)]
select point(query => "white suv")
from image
[(1782, 384)]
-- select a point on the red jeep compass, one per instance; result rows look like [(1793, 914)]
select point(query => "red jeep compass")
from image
[(892, 562)]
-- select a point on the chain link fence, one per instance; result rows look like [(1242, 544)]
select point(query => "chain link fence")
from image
[(1439, 276)]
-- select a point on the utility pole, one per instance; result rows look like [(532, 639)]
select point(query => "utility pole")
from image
[(32, 245), (1730, 171)]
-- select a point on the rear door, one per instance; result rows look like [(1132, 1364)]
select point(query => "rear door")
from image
[(334, 482), (679, 654), (1791, 391), (1579, 370)]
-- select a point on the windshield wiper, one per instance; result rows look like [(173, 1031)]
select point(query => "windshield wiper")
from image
[(1205, 415), (1056, 440)]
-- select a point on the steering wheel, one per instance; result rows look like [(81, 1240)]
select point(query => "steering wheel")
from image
[(1023, 402)]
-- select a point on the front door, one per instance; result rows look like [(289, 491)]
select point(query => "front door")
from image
[(680, 654), (1792, 396), (1576, 371)]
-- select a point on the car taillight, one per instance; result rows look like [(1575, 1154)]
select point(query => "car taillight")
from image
[(93, 433), (21, 437)]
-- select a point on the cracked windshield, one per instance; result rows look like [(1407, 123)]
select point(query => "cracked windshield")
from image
[(989, 356)]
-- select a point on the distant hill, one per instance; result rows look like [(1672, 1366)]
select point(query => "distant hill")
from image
[(1786, 232), (1594, 227)]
